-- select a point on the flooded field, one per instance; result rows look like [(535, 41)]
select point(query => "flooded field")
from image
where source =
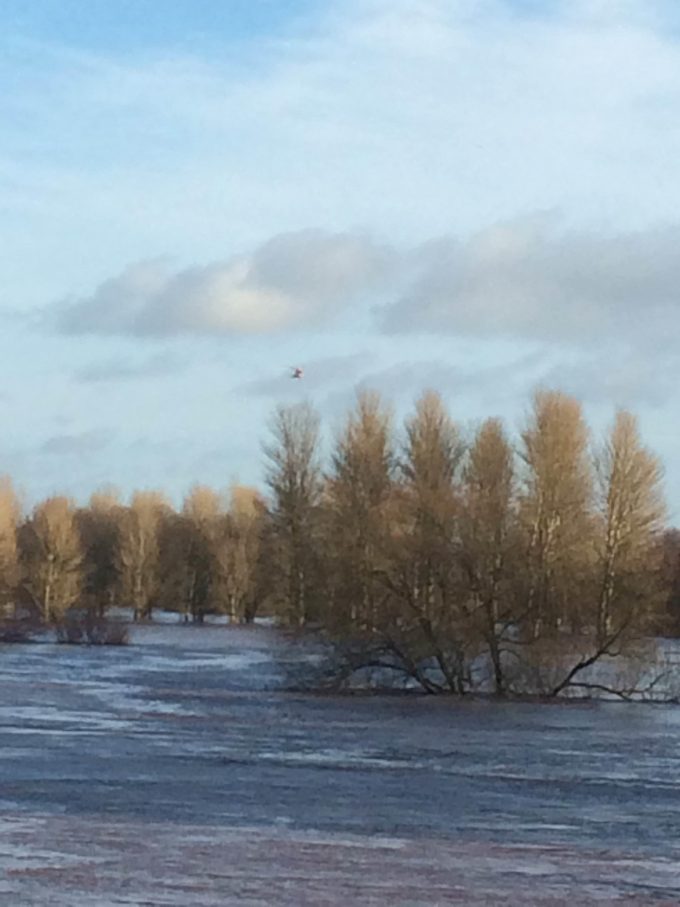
[(177, 771)]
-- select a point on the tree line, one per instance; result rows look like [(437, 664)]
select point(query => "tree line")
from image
[(429, 548), (143, 555), (417, 546)]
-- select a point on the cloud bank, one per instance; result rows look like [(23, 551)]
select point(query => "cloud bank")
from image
[(292, 280), (532, 279), (528, 279)]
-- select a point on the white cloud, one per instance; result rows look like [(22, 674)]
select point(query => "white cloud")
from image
[(530, 279), (402, 116), (412, 119), (292, 280)]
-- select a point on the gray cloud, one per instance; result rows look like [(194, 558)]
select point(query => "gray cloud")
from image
[(532, 279), (292, 280), (620, 376), (487, 386), (76, 444), (112, 370)]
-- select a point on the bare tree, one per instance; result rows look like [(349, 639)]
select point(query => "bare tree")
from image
[(428, 618), (488, 540), (9, 557), (670, 578), (186, 556), (53, 557), (294, 480), (632, 512), (138, 550), (628, 557), (238, 552), (198, 525), (556, 511), (359, 494), (99, 526)]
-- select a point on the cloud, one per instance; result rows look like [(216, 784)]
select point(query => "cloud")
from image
[(439, 120), (618, 376), (292, 280), (466, 389), (112, 370), (533, 279), (78, 444), (402, 116)]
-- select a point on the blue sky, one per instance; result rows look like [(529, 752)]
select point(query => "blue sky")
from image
[(474, 196)]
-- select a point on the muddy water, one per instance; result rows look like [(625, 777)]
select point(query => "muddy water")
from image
[(177, 771)]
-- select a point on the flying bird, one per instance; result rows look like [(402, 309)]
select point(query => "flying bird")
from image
[(296, 372)]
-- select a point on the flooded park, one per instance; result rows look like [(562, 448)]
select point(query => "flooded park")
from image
[(180, 770)]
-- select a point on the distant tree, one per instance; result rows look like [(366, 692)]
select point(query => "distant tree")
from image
[(99, 526), (9, 555), (196, 531), (53, 557), (137, 557), (238, 552), (294, 480), (670, 579)]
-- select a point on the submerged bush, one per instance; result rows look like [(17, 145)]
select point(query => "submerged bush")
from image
[(85, 628), (18, 629)]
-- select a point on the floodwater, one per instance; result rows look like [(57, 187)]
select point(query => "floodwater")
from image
[(177, 771)]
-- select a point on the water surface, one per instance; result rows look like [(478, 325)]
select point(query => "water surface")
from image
[(177, 771)]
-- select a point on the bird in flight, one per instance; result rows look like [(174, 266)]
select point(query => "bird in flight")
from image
[(296, 372)]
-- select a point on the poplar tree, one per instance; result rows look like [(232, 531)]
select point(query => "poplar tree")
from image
[(53, 557), (488, 541), (293, 476)]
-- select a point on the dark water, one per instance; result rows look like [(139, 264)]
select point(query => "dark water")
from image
[(176, 771)]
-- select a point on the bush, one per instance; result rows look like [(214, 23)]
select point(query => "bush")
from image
[(18, 629), (85, 628)]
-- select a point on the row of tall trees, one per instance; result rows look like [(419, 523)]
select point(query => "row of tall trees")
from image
[(418, 546), (141, 555), (427, 548)]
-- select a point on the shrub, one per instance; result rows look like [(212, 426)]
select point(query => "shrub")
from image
[(79, 627)]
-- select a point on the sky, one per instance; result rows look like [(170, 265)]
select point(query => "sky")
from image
[(475, 196)]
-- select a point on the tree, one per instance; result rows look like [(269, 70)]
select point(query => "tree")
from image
[(632, 510), (9, 557), (488, 540), (627, 562), (198, 525), (556, 511), (670, 579), (294, 480), (99, 527), (138, 550), (359, 494), (428, 618), (53, 557), (238, 553)]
